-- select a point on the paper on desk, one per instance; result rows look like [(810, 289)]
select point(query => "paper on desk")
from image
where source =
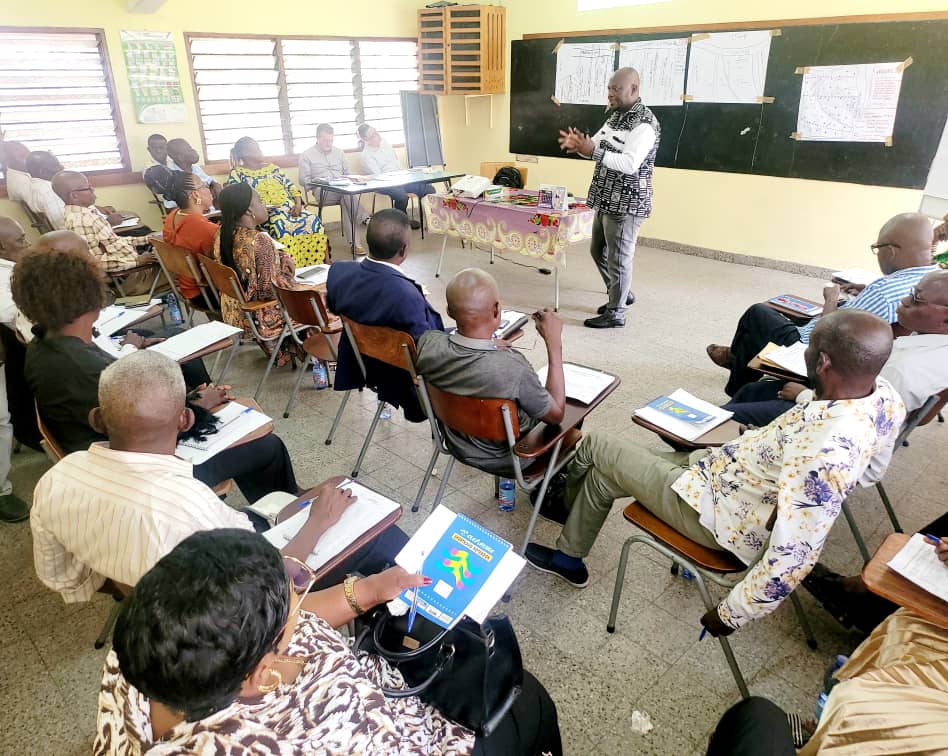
[(234, 422), (857, 276), (128, 223), (916, 561), (194, 339), (369, 509), (682, 428), (313, 274), (789, 358), (582, 383), (111, 348), (111, 319)]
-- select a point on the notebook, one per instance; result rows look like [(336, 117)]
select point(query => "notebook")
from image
[(797, 304), (916, 561), (313, 274), (707, 416), (788, 358), (194, 339), (234, 421), (582, 383)]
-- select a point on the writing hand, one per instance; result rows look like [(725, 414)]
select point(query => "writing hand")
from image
[(333, 501), (384, 586)]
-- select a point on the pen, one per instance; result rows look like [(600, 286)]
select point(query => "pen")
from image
[(704, 632), (414, 606), (934, 539)]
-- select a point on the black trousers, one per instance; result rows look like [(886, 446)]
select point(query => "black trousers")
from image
[(530, 728), (757, 403), (752, 727), (258, 467), (19, 396), (758, 325)]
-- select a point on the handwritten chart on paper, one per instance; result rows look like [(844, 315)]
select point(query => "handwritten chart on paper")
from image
[(849, 103), (583, 72), (729, 67), (661, 67)]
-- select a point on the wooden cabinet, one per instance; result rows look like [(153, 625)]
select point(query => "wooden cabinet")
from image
[(462, 49)]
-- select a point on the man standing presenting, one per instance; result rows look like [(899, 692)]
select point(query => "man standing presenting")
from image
[(621, 189)]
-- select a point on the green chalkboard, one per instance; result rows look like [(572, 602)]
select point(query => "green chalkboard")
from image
[(756, 138)]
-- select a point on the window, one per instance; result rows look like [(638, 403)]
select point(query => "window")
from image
[(279, 89), (56, 93)]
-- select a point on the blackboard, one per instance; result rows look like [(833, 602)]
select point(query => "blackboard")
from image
[(707, 136)]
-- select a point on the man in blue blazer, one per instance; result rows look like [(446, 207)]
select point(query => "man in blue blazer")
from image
[(375, 291)]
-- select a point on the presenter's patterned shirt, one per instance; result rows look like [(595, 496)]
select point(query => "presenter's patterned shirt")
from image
[(771, 496)]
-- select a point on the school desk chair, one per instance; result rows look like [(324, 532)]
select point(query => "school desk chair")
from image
[(176, 261), (117, 278), (306, 309), (39, 221), (702, 562)]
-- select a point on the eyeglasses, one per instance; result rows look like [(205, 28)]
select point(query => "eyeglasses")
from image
[(876, 247), (301, 579), (918, 301)]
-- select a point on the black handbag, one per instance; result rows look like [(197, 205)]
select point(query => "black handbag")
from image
[(472, 673)]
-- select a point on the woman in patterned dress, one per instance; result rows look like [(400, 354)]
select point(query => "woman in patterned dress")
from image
[(301, 233), (220, 650)]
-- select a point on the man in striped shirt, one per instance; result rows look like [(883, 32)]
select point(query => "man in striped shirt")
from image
[(110, 513), (904, 253)]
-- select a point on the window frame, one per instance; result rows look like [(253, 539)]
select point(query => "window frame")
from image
[(116, 174), (288, 159)]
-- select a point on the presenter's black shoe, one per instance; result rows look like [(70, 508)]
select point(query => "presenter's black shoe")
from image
[(541, 557), (604, 321), (629, 300)]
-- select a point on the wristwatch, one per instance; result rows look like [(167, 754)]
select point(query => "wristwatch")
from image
[(348, 586)]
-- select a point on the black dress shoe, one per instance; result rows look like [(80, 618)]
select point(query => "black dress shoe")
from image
[(415, 224), (629, 300), (604, 321)]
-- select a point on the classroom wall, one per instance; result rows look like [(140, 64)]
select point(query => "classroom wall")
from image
[(812, 222), (356, 18)]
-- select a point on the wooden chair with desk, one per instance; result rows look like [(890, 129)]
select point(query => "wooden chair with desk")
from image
[(177, 261)]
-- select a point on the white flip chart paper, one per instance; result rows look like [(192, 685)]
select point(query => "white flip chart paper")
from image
[(729, 67), (661, 67), (583, 72)]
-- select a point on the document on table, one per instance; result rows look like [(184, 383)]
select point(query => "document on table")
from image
[(313, 274), (583, 72), (849, 103), (234, 421), (662, 414), (856, 276), (582, 383), (729, 66), (661, 67), (194, 339), (128, 223), (369, 509), (916, 561), (789, 358), (111, 319), (112, 348)]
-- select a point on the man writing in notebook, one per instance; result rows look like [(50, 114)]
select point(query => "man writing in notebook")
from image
[(770, 496), (471, 362), (113, 511), (621, 190), (904, 253)]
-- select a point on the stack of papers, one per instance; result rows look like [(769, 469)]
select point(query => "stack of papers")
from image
[(194, 340), (916, 561), (787, 358), (313, 274), (369, 509), (111, 319), (582, 383), (696, 417), (234, 421), (856, 276)]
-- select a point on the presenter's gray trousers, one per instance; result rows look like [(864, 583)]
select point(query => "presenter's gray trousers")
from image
[(613, 250), (606, 469)]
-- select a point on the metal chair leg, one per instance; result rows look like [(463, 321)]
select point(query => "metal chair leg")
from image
[(424, 480), (725, 643), (855, 530), (539, 501), (106, 630), (444, 484), (337, 418), (803, 620), (270, 362), (444, 243), (368, 438), (888, 508), (230, 358), (620, 580)]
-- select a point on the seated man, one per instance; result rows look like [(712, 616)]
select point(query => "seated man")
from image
[(770, 496), (14, 155), (376, 292), (183, 157), (62, 293), (113, 511), (904, 254), (42, 166), (157, 147), (378, 157), (113, 252), (324, 162), (471, 362)]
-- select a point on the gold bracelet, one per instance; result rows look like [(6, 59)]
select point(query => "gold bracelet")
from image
[(348, 586)]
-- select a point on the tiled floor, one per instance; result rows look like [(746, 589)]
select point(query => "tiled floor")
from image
[(653, 663)]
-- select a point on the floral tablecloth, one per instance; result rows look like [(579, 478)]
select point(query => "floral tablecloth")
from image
[(509, 227)]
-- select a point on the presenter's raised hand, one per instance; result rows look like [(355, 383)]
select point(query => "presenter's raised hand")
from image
[(575, 141)]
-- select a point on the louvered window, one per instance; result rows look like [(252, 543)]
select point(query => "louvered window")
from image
[(56, 93), (386, 69)]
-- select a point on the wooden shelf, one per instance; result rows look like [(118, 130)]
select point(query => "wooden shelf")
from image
[(462, 49)]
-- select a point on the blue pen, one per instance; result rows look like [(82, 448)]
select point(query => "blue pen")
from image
[(934, 539), (704, 632), (414, 607)]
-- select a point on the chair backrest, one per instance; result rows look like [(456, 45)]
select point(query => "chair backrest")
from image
[(175, 259), (489, 170), (224, 279), (39, 221), (300, 306), (52, 447), (385, 344), (159, 203), (480, 418)]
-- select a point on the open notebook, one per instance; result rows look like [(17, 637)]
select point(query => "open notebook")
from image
[(583, 384), (234, 421), (194, 339), (917, 562)]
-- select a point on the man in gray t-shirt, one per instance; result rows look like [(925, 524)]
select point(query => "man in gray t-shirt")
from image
[(470, 362)]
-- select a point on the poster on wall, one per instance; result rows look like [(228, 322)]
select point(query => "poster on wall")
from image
[(152, 66)]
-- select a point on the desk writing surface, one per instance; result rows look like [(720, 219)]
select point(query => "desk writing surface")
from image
[(717, 436), (886, 582), (263, 430), (387, 181)]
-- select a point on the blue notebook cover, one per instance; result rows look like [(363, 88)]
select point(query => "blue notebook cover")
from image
[(680, 411), (797, 305), (458, 565)]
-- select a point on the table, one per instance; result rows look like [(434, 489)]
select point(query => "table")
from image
[(508, 226), (392, 180), (886, 582), (717, 436)]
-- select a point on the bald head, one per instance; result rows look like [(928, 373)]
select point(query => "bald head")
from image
[(474, 302), (14, 155), (141, 402), (623, 88), (43, 164), (73, 188), (388, 235), (852, 344), (905, 241), (12, 239), (62, 241)]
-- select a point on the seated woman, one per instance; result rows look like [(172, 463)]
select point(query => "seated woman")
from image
[(379, 157), (219, 647), (301, 233), (188, 228)]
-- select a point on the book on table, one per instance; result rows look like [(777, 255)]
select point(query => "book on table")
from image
[(797, 304), (470, 568), (362, 520), (584, 384), (788, 359), (194, 339), (683, 415), (234, 421), (313, 274)]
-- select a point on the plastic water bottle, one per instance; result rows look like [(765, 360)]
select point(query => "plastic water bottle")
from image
[(174, 309), (386, 412), (320, 375), (828, 683), (506, 494), (687, 574)]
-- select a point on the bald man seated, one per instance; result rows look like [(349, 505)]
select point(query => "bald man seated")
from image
[(114, 253), (471, 362), (903, 250), (113, 511), (376, 291), (770, 496), (13, 155)]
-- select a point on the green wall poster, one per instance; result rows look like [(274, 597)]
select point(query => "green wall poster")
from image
[(152, 66)]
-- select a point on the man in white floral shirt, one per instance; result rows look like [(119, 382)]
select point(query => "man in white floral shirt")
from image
[(770, 496)]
